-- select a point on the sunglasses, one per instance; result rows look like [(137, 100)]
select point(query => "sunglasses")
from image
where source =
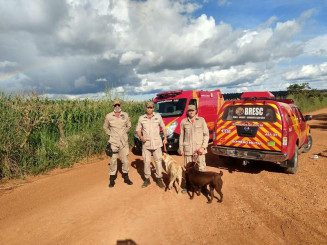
[(116, 105), (149, 107)]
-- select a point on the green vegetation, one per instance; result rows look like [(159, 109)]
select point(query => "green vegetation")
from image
[(38, 134), (305, 98)]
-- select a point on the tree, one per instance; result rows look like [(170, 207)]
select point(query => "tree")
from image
[(298, 88)]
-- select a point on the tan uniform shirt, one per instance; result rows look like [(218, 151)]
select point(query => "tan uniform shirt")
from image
[(117, 128), (151, 130), (193, 135)]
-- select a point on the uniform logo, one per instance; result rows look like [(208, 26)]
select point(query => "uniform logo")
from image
[(239, 111), (122, 116)]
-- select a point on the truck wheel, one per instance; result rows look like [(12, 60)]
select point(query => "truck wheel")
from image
[(308, 145), (293, 162)]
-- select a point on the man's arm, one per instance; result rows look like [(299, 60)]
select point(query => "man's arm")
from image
[(163, 127), (181, 138), (138, 131), (106, 126), (128, 123), (205, 134)]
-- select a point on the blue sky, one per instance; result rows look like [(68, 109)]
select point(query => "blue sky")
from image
[(137, 48)]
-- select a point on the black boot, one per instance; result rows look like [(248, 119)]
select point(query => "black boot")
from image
[(159, 183), (146, 183), (112, 181), (126, 179)]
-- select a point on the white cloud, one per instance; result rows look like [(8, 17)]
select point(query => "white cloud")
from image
[(309, 72), (147, 46)]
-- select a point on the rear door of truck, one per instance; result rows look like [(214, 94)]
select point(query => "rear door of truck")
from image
[(253, 125)]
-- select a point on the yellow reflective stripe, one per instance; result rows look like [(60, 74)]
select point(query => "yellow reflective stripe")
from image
[(273, 137), (263, 144), (278, 125)]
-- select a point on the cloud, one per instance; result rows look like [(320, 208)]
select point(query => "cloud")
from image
[(142, 47), (308, 72)]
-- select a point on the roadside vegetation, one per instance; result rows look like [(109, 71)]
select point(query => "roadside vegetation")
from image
[(305, 98), (38, 134)]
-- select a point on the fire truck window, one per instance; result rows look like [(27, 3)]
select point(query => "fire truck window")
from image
[(256, 113), (296, 113), (302, 117), (171, 107), (287, 116)]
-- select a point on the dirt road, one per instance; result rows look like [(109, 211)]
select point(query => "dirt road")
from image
[(262, 205)]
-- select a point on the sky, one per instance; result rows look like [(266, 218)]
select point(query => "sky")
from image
[(133, 49)]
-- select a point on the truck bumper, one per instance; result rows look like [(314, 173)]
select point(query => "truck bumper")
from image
[(172, 145), (250, 154)]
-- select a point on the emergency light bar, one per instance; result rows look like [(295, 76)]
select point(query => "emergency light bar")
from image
[(257, 95), (169, 94), (265, 95)]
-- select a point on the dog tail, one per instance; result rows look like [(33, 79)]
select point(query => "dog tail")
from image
[(221, 173)]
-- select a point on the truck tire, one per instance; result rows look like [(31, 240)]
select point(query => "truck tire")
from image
[(292, 163), (308, 145)]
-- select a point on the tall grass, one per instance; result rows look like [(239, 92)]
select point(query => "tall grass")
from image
[(38, 134), (307, 102)]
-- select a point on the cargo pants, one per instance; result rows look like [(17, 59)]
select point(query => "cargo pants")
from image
[(123, 154), (157, 155), (201, 161)]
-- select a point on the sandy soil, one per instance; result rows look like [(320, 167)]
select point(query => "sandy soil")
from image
[(262, 205)]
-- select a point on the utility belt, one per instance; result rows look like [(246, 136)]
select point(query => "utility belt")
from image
[(109, 151)]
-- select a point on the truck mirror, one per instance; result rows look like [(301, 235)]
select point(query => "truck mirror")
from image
[(308, 117)]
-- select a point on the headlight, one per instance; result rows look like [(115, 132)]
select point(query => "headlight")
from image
[(171, 128)]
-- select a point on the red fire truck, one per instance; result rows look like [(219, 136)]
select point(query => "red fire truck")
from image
[(172, 107), (261, 127)]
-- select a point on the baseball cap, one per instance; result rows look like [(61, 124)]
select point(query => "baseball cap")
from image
[(191, 108), (115, 102), (150, 104)]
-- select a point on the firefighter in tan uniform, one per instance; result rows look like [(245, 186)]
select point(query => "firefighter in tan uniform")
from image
[(148, 131), (116, 125), (193, 139)]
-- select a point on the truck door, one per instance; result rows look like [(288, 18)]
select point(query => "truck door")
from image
[(302, 126)]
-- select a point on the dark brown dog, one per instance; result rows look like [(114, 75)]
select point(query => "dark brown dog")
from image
[(196, 180)]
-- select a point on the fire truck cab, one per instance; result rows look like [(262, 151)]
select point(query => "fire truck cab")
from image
[(172, 106), (260, 127)]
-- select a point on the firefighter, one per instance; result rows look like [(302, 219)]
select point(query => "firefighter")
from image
[(116, 125), (193, 139), (148, 131)]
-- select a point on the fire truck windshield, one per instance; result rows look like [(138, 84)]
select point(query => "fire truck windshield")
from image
[(170, 107)]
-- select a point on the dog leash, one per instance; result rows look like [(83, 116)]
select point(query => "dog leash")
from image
[(165, 149)]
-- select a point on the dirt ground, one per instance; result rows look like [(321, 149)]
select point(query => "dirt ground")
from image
[(262, 205)]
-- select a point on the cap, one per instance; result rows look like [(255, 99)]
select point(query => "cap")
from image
[(150, 104), (191, 108), (116, 102)]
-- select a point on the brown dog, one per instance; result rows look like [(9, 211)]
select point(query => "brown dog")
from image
[(174, 171), (197, 179)]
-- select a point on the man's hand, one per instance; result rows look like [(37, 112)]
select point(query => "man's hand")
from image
[(182, 153), (164, 141), (200, 151), (143, 139)]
